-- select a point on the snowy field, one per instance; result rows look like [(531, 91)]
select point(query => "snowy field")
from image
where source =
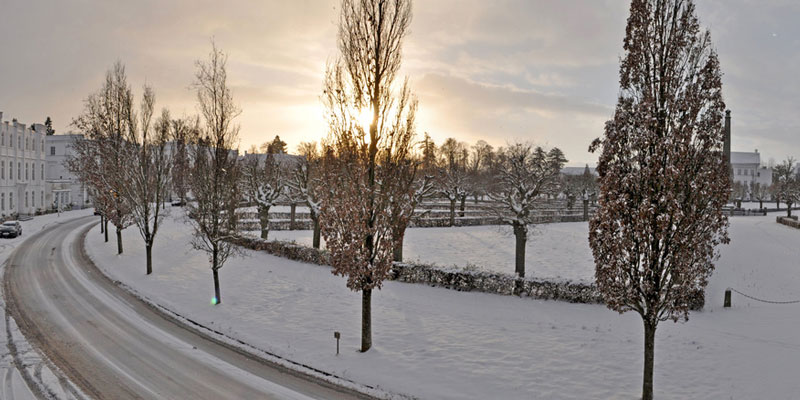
[(554, 251), (443, 344)]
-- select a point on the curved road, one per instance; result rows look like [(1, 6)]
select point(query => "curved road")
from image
[(113, 346)]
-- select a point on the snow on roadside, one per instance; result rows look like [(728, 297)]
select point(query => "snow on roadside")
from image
[(36, 369), (554, 251), (434, 343)]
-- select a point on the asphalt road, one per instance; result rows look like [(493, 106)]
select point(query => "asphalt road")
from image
[(113, 346)]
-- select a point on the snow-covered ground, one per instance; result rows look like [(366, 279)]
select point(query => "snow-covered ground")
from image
[(554, 251), (443, 344)]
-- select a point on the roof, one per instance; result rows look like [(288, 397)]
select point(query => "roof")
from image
[(577, 170), (743, 157)]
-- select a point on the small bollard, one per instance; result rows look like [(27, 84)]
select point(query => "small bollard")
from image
[(727, 303), (337, 336)]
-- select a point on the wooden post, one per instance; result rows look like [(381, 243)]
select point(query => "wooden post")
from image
[(727, 298), (337, 335)]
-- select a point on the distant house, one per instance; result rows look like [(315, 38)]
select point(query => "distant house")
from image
[(578, 170), (747, 169)]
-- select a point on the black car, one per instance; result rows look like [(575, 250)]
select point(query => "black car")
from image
[(11, 229)]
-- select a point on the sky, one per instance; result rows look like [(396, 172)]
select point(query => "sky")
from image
[(543, 71)]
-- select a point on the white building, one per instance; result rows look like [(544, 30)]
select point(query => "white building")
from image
[(22, 168), (63, 189), (747, 169)]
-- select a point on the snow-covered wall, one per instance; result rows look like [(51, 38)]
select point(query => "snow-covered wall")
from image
[(467, 281)]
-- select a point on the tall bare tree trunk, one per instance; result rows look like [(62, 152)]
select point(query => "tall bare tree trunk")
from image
[(453, 212), (292, 211), (649, 357), (521, 236), (397, 252), (366, 319), (586, 209), (102, 227), (463, 205), (215, 270), (316, 231), (788, 209), (119, 240), (263, 219), (105, 223), (149, 251)]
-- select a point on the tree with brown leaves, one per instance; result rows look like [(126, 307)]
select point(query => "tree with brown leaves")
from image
[(663, 178), (361, 164)]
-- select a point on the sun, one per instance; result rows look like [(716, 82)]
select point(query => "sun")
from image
[(364, 118)]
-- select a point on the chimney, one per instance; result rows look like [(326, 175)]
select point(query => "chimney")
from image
[(727, 141)]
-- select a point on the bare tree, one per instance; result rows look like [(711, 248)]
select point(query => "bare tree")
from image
[(183, 132), (761, 192), (663, 178), (787, 186), (305, 180), (107, 119), (215, 173), (264, 183), (359, 165), (526, 174), (146, 172), (453, 180)]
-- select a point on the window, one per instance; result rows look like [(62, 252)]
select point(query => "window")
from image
[(41, 171), (26, 199), (19, 171), (42, 199), (10, 170), (2, 170), (33, 171), (11, 200), (26, 178), (52, 150), (2, 201)]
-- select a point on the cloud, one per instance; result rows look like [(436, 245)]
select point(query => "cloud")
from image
[(538, 70)]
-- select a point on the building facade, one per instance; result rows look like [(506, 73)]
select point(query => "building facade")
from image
[(747, 169), (22, 168), (62, 188)]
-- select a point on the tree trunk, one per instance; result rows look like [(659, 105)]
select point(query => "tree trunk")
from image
[(586, 209), (292, 215), (263, 219), (463, 200), (788, 209), (215, 270), (149, 251), (101, 224), (475, 198), (649, 357), (366, 319), (760, 204), (522, 236), (453, 212), (106, 230), (316, 232), (119, 240), (397, 252)]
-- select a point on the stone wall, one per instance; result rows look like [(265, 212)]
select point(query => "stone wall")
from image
[(455, 279), (788, 221)]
